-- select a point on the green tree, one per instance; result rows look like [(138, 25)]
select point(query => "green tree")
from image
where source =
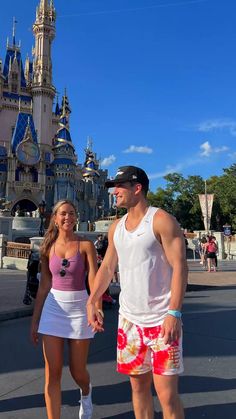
[(180, 198)]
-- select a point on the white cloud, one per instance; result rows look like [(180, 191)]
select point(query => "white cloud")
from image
[(218, 124), (107, 161), (166, 171), (221, 149), (207, 149), (136, 149), (176, 168)]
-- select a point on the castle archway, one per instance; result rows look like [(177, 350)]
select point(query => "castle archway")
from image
[(24, 207)]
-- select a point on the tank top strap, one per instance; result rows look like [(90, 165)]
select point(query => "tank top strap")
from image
[(151, 212), (147, 219)]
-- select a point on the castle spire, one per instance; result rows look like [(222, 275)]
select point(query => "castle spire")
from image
[(65, 105), (43, 5), (14, 31)]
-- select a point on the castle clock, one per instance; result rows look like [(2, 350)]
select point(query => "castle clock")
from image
[(28, 152)]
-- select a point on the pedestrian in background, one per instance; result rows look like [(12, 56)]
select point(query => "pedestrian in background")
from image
[(149, 246), (32, 282), (211, 249), (101, 244), (216, 252), (203, 251), (60, 307)]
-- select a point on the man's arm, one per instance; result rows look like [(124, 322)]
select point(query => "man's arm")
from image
[(103, 277), (167, 230)]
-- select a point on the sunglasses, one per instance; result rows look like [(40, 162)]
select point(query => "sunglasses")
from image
[(64, 263)]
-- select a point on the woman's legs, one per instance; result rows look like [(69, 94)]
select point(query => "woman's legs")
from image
[(78, 355), (78, 361), (209, 264), (53, 356)]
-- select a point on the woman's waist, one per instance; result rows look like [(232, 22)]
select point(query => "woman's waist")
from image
[(68, 295), (68, 283)]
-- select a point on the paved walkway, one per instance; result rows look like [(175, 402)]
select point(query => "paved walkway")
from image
[(207, 386)]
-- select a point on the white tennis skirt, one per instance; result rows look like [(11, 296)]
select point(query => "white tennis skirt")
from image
[(64, 315)]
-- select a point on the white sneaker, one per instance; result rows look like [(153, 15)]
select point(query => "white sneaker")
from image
[(86, 406)]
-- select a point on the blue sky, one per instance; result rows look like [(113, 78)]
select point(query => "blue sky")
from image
[(153, 82)]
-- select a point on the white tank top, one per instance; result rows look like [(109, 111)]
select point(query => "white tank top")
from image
[(145, 274)]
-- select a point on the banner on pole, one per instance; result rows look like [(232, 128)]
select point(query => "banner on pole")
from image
[(206, 203)]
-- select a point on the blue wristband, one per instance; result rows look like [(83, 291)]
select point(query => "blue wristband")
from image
[(175, 313)]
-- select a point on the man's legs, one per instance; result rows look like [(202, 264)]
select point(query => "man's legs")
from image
[(142, 396), (167, 390)]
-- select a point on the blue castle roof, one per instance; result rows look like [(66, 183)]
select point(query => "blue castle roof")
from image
[(57, 109), (22, 121), (63, 134), (10, 56), (17, 97)]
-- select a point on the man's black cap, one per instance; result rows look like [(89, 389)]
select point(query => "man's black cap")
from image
[(129, 174)]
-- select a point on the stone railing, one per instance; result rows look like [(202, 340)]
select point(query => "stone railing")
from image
[(33, 186), (18, 250)]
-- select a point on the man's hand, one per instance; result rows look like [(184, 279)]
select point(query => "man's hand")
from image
[(95, 318), (171, 329)]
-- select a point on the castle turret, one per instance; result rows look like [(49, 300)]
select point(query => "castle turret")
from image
[(43, 91), (64, 163), (13, 69)]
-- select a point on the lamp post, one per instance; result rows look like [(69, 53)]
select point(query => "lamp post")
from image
[(42, 208)]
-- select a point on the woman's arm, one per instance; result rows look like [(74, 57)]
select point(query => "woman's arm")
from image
[(43, 290)]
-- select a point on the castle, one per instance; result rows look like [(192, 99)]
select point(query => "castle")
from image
[(38, 163)]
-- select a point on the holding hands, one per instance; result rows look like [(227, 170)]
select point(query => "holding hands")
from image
[(95, 317)]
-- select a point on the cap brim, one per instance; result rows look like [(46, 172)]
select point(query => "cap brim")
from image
[(109, 184), (113, 182)]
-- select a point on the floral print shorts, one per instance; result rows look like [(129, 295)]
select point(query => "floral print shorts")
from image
[(141, 349)]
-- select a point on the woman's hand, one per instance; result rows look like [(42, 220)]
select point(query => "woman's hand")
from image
[(34, 336), (95, 318)]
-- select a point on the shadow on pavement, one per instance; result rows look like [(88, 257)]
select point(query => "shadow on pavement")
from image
[(198, 384), (202, 287), (120, 394), (216, 411)]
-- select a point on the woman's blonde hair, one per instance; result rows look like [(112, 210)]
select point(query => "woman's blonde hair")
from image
[(52, 231)]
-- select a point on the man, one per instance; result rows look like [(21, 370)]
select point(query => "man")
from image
[(149, 247)]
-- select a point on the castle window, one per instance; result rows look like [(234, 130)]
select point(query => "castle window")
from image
[(44, 107)]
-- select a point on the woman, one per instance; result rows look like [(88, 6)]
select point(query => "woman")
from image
[(211, 250), (60, 307)]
